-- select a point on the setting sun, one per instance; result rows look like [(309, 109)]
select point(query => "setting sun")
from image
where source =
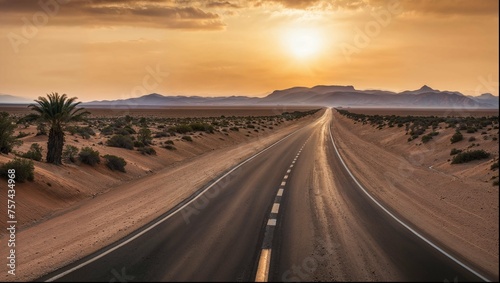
[(303, 42)]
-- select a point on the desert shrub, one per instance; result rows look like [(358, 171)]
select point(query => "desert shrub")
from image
[(468, 156), (455, 151), (70, 153), (108, 130), (89, 156), (35, 152), (121, 141), (161, 135), (187, 138), (115, 163), (169, 142), (147, 150), (471, 130), (7, 138), (84, 132), (495, 183), (236, 129), (120, 122), (128, 118), (129, 130), (297, 114), (70, 129), (144, 136), (121, 131), (138, 144), (22, 135), (426, 138), (170, 147), (201, 127), (494, 166), (41, 129), (471, 139), (24, 169), (181, 129), (457, 136)]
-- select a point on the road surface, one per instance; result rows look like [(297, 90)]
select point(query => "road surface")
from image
[(290, 213)]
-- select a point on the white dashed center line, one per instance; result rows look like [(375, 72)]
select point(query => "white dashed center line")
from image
[(265, 255), (276, 208)]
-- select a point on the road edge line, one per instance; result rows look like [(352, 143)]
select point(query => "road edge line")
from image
[(159, 221), (400, 221)]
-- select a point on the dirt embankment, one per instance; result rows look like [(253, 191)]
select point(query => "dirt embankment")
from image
[(454, 204), (87, 208), (59, 187)]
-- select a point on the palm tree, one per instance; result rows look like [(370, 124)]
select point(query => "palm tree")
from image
[(57, 110)]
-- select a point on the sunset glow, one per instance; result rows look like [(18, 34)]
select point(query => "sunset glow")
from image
[(303, 43), (105, 50)]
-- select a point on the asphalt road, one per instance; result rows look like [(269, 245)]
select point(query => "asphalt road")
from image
[(327, 228), (331, 230)]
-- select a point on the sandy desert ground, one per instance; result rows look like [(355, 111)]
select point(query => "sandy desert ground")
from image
[(456, 205), (458, 112), (58, 187), (73, 210), (174, 112)]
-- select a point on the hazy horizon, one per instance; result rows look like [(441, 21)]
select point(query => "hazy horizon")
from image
[(107, 50)]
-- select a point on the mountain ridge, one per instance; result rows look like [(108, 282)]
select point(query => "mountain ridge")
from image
[(320, 95), (12, 99)]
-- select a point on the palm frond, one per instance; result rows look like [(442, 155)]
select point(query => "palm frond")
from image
[(58, 109)]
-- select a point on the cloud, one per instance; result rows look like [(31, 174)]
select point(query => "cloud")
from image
[(442, 7), (222, 4), (151, 13), (451, 7), (294, 4), (297, 4), (207, 15)]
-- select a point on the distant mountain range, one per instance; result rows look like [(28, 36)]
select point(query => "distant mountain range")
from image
[(335, 96), (348, 96), (11, 99), (156, 99)]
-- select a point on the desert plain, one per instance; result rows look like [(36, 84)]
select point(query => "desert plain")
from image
[(75, 209)]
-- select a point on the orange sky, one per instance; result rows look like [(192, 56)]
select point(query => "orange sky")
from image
[(110, 49)]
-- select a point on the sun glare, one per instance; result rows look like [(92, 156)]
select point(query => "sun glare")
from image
[(303, 43)]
